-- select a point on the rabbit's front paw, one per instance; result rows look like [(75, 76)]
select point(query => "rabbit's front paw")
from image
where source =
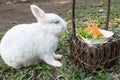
[(50, 59), (53, 62), (58, 56), (56, 64)]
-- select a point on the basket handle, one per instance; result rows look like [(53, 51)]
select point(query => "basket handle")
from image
[(108, 14), (73, 17)]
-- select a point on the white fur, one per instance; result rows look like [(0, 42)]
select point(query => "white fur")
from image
[(27, 44)]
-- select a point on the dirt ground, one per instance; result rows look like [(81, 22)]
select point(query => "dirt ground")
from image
[(14, 12)]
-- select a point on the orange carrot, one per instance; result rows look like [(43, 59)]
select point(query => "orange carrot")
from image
[(94, 29), (87, 29)]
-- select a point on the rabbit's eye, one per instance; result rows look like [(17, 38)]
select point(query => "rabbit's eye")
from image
[(56, 22)]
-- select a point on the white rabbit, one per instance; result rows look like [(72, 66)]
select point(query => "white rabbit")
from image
[(27, 44)]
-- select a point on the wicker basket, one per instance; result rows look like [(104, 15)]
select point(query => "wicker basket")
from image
[(91, 58)]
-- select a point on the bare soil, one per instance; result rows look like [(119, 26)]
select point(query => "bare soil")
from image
[(14, 12)]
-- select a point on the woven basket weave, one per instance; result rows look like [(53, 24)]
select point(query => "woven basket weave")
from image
[(91, 58)]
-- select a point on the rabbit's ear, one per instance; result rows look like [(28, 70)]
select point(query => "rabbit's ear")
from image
[(37, 12)]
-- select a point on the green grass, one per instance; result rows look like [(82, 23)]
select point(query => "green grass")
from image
[(69, 71)]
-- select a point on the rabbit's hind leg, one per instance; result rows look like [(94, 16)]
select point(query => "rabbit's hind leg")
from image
[(15, 65)]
